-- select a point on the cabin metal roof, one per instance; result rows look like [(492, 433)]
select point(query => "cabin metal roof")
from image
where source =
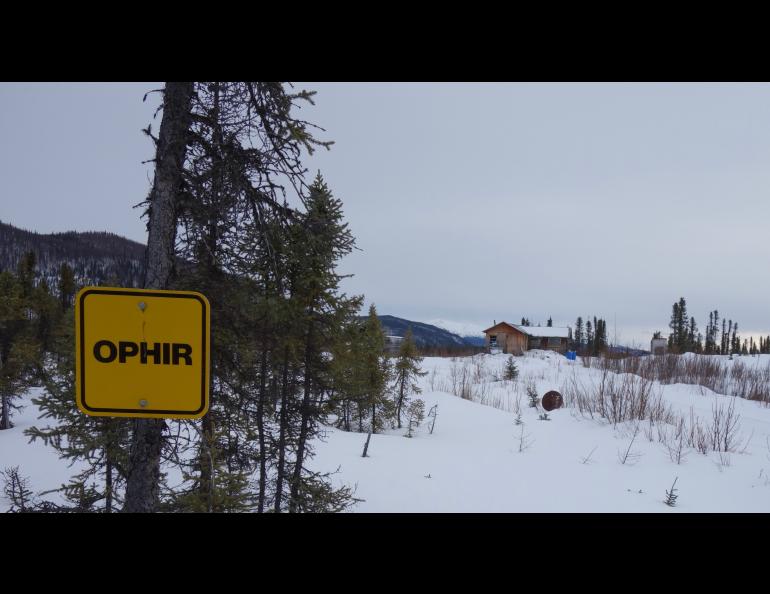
[(537, 331)]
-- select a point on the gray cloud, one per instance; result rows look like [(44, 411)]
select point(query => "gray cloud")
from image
[(470, 202)]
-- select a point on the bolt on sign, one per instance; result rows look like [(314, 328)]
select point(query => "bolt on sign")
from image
[(142, 353)]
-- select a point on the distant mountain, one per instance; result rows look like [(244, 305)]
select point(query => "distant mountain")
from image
[(472, 334), (627, 351), (459, 328), (425, 335), (474, 340), (98, 258)]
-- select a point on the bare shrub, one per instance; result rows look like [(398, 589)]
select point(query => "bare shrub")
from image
[(525, 440), (516, 403), (587, 459), (623, 397), (460, 378), (723, 460), (675, 443), (731, 379), (649, 430), (532, 393), (433, 414), (432, 379), (725, 427), (630, 456), (617, 398)]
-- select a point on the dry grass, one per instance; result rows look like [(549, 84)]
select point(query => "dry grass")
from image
[(626, 398), (736, 379)]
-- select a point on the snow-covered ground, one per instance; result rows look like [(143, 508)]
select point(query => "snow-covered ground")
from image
[(472, 461)]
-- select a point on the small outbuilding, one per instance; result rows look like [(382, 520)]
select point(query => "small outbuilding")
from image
[(659, 346), (515, 340)]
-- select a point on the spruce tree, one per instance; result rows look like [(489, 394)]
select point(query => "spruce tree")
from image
[(415, 414), (323, 240), (511, 372), (26, 274), (46, 312), (101, 442), (723, 346), (692, 336), (377, 373), (66, 286), (579, 333), (18, 349), (406, 370)]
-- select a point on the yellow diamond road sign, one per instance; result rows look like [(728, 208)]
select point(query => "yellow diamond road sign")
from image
[(142, 353)]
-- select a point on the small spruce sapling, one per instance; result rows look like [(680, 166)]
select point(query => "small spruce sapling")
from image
[(16, 489), (518, 420), (415, 414), (671, 495), (511, 372), (532, 395)]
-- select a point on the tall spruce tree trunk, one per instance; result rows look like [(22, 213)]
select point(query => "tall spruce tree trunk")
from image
[(282, 432), (5, 416), (142, 485), (304, 421), (261, 430), (5, 419), (108, 486), (401, 388), (374, 417), (208, 264)]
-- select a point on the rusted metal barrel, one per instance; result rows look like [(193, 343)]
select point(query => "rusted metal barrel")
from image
[(552, 400)]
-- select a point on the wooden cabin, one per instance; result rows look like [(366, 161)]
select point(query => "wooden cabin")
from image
[(515, 340)]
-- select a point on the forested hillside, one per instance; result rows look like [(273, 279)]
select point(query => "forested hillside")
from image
[(425, 335), (97, 258)]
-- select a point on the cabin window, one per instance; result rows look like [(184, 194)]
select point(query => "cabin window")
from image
[(554, 342), (493, 340)]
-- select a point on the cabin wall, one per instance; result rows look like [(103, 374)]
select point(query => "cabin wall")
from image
[(542, 344), (509, 340), (513, 342)]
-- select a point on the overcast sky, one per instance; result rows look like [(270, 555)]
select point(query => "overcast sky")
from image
[(470, 202)]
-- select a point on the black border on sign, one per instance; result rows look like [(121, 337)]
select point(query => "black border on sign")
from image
[(83, 358)]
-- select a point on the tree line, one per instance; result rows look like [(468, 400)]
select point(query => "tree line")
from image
[(95, 258), (31, 316), (718, 340), (590, 338)]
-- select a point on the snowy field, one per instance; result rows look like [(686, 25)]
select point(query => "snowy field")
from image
[(472, 462), (479, 460)]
